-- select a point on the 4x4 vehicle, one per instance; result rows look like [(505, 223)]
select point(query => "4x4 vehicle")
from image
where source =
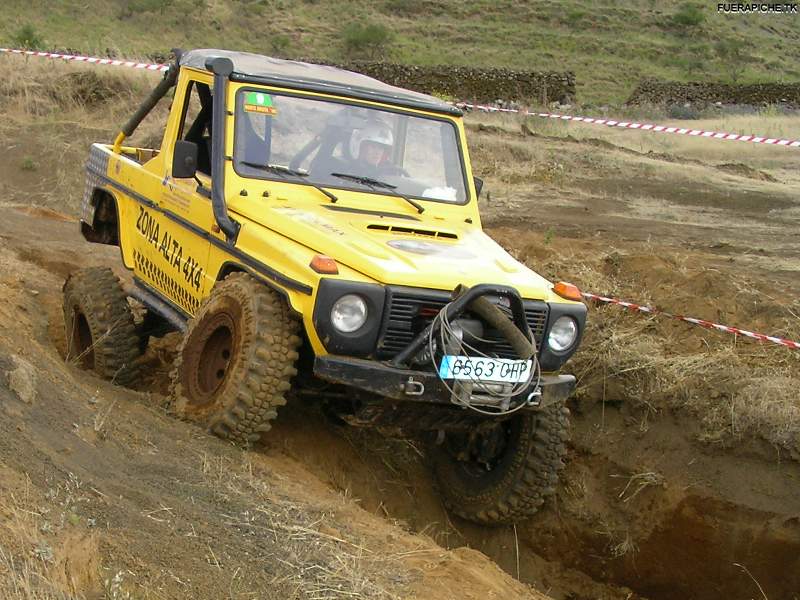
[(315, 232)]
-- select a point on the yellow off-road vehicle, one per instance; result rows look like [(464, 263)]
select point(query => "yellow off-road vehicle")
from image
[(315, 233)]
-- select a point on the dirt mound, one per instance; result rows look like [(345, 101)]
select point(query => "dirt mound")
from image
[(747, 171), (95, 478), (638, 486), (679, 482), (735, 388)]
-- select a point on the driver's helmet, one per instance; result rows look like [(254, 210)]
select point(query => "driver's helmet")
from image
[(373, 133)]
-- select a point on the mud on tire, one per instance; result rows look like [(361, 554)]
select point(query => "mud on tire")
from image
[(524, 472), (236, 360), (99, 327)]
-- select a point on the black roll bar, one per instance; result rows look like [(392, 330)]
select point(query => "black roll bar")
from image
[(170, 77)]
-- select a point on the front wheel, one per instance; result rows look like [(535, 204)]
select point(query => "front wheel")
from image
[(502, 472), (236, 360)]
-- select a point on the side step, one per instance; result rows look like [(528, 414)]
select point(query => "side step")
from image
[(162, 307)]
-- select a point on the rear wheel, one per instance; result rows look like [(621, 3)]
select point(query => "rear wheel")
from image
[(236, 360), (99, 328), (502, 472)]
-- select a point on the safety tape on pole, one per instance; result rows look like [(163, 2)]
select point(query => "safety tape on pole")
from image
[(89, 59), (702, 133), (701, 322)]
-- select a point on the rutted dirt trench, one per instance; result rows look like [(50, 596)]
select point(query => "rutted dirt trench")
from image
[(644, 510), (653, 515)]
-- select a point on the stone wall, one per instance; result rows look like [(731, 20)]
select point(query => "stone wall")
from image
[(652, 91), (471, 84)]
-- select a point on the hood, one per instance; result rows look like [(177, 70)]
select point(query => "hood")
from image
[(431, 253)]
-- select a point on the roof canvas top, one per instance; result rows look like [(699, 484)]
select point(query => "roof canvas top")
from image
[(295, 74)]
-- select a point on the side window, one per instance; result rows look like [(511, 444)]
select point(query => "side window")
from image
[(196, 123), (424, 151)]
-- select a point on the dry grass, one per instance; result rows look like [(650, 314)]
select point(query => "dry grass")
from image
[(774, 159), (738, 389), (39, 88), (309, 553), (638, 482), (43, 554), (52, 112)]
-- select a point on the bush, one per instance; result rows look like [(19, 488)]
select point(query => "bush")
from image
[(734, 57), (279, 45), (574, 17), (411, 8), (366, 40), (682, 111), (689, 15), (130, 8), (27, 38)]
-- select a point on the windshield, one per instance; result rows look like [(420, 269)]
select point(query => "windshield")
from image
[(414, 156)]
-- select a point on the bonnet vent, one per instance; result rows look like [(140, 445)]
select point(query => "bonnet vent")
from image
[(428, 233)]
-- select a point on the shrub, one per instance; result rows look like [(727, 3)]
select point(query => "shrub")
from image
[(688, 15), (366, 40), (407, 8), (574, 17), (133, 7), (279, 43), (734, 57), (27, 38), (681, 111)]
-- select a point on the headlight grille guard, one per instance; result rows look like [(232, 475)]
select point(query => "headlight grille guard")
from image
[(462, 300)]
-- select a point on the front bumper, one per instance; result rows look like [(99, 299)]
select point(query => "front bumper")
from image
[(420, 386)]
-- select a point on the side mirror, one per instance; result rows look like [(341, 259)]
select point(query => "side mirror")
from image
[(478, 185), (184, 160)]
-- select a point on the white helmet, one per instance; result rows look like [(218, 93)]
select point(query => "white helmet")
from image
[(373, 131)]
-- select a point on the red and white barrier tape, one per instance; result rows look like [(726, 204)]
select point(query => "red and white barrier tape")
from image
[(89, 59), (714, 135), (608, 122), (701, 322)]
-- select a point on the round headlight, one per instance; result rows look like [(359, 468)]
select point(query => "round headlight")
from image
[(349, 313), (562, 334)]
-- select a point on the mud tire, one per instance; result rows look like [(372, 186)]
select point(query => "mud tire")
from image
[(99, 327), (236, 360), (527, 471)]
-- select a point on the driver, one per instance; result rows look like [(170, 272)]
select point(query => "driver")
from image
[(372, 146)]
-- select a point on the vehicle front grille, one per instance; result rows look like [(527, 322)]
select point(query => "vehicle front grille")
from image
[(409, 312)]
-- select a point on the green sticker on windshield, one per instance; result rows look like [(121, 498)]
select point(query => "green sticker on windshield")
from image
[(259, 102)]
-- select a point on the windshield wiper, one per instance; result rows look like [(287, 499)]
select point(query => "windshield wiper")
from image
[(374, 183), (286, 172)]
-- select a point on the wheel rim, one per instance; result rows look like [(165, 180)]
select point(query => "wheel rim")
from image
[(82, 346), (213, 358)]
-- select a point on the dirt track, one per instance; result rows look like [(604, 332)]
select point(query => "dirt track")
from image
[(643, 505), (100, 475), (685, 460)]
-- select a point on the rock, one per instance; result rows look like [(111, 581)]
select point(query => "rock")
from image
[(651, 91), (22, 379), (480, 85)]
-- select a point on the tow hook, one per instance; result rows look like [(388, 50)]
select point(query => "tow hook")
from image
[(535, 397), (413, 388)]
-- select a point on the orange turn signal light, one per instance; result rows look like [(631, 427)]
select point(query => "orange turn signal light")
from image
[(567, 290), (324, 264)]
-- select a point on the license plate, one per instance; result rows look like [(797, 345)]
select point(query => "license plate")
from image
[(500, 370)]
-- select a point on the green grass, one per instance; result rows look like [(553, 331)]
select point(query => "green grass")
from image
[(610, 44)]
